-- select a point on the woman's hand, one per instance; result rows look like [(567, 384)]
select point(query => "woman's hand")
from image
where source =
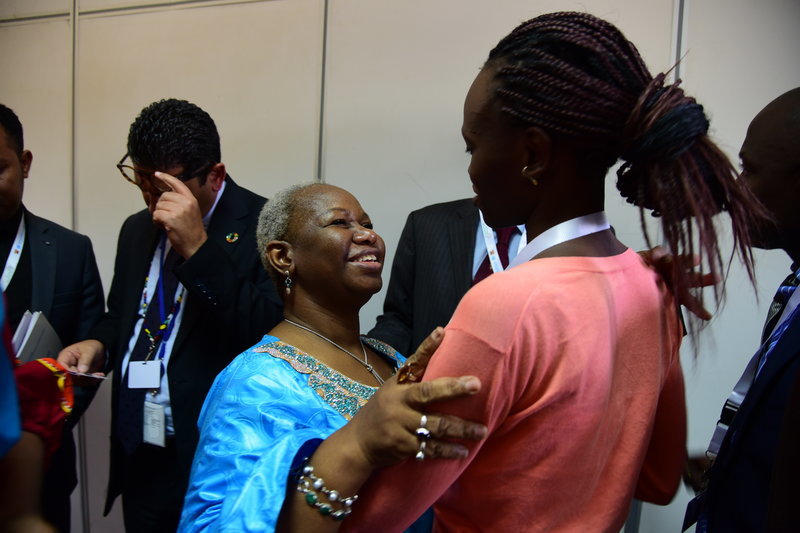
[(390, 428), (415, 366), (395, 424), (668, 265)]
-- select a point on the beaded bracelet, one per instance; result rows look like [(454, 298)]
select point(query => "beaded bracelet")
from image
[(309, 484)]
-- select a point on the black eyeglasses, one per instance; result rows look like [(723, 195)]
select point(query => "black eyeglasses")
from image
[(138, 176)]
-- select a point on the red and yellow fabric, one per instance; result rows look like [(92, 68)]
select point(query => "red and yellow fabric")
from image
[(45, 398)]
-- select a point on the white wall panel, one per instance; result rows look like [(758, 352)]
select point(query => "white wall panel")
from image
[(10, 9), (36, 66)]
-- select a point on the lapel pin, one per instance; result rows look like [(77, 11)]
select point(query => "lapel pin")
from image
[(232, 237)]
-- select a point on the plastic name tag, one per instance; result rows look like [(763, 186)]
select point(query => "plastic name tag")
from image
[(154, 428), (144, 374)]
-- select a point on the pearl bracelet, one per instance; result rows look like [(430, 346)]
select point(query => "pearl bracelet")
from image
[(310, 485)]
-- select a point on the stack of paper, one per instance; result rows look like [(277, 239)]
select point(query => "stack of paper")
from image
[(35, 338)]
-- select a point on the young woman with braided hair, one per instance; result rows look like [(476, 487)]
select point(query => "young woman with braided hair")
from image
[(576, 344)]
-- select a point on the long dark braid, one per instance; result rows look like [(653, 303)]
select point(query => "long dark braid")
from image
[(578, 77)]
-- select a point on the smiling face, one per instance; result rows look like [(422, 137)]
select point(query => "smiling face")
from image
[(336, 253), (498, 153)]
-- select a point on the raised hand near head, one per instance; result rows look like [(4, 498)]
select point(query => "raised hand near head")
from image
[(178, 212)]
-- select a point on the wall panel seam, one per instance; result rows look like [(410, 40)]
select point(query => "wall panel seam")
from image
[(132, 8)]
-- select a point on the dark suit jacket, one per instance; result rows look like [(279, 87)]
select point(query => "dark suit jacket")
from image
[(67, 289), (66, 283), (432, 270), (783, 514), (740, 479), (230, 303)]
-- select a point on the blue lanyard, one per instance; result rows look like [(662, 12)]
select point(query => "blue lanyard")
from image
[(162, 312)]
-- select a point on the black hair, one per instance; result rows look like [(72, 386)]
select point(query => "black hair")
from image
[(13, 127), (171, 133), (579, 78)]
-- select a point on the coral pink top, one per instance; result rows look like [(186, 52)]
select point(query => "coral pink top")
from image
[(582, 392)]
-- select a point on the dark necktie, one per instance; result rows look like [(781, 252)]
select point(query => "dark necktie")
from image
[(503, 239), (130, 407), (782, 296), (772, 331)]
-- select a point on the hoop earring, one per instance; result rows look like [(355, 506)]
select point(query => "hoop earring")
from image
[(533, 180), (288, 283)]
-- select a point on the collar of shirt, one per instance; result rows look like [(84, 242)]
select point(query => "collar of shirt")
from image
[(516, 244), (207, 218), (565, 231)]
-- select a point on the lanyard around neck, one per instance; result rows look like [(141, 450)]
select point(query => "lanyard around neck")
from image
[(566, 231), (491, 244), (13, 255), (166, 317)]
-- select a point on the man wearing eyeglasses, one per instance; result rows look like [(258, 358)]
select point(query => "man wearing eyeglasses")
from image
[(189, 293)]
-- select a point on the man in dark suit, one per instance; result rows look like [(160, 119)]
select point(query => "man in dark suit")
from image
[(737, 496), (51, 269), (441, 249), (192, 255)]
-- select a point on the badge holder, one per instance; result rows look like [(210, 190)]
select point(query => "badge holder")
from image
[(147, 375)]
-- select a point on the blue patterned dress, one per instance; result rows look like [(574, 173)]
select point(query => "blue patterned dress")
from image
[(267, 404)]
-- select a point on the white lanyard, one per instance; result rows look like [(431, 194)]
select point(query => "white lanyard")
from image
[(566, 231), (491, 245), (14, 255)]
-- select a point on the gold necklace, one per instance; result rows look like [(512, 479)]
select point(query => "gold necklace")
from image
[(364, 363)]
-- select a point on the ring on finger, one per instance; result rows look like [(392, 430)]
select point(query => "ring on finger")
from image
[(408, 373), (422, 431), (421, 453)]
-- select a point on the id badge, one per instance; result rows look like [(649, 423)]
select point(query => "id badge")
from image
[(144, 374), (154, 424)]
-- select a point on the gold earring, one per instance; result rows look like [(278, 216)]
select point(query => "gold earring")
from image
[(533, 180)]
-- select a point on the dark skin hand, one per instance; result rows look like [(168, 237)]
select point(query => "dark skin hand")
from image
[(695, 475), (665, 264)]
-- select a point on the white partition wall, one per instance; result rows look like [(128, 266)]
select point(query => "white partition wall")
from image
[(365, 94), (36, 81)]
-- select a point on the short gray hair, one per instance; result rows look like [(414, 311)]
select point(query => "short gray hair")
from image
[(273, 222)]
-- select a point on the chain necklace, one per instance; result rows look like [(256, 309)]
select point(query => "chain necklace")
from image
[(365, 362)]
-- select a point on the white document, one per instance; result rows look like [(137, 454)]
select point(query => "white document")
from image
[(35, 338)]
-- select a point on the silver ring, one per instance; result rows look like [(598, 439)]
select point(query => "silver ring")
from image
[(423, 421), (421, 453), (423, 433)]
